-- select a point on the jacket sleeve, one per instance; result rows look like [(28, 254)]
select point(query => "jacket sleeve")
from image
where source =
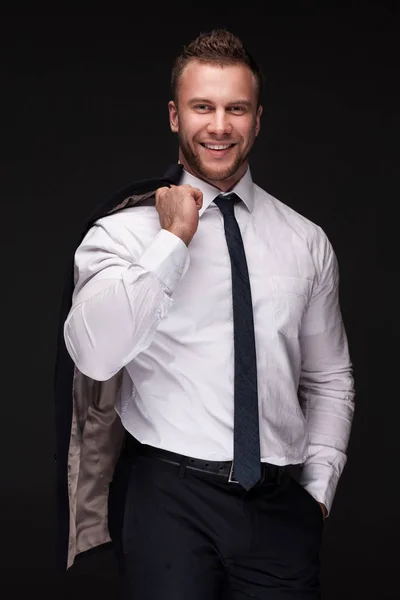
[(122, 292)]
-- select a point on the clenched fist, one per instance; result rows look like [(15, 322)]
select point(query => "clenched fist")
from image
[(178, 209)]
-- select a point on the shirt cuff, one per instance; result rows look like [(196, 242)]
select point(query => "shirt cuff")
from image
[(167, 257), (320, 481)]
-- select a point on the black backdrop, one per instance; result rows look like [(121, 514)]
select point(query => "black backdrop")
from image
[(84, 112)]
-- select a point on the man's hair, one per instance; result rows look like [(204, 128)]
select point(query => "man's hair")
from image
[(219, 47)]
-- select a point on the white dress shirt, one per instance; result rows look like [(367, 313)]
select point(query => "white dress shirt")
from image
[(145, 301)]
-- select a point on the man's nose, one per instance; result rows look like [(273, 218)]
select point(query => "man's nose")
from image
[(220, 124)]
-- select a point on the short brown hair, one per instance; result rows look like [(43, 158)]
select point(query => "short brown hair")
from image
[(220, 47)]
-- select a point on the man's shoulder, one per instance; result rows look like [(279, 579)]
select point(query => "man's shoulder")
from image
[(286, 217), (132, 215), (124, 226), (126, 214)]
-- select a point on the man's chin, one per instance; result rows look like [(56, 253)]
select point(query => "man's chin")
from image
[(216, 174)]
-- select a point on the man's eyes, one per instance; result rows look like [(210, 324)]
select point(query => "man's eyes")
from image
[(204, 107)]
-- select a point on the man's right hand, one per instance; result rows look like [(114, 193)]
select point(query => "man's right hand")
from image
[(178, 209)]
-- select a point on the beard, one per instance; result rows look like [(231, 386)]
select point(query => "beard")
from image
[(214, 173)]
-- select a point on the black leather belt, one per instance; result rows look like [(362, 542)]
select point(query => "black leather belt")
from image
[(224, 469)]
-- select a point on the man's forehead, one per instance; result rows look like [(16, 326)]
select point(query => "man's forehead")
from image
[(200, 80)]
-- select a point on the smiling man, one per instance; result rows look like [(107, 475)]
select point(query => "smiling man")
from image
[(209, 311), (216, 114)]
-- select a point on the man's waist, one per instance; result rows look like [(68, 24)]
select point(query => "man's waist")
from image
[(212, 440), (222, 468)]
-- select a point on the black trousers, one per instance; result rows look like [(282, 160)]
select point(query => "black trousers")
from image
[(190, 536)]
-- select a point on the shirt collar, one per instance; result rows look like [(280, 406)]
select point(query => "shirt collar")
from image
[(244, 189)]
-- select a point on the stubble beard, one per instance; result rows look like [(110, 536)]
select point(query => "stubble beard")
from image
[(207, 173)]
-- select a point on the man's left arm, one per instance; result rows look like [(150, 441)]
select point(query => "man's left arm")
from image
[(326, 388)]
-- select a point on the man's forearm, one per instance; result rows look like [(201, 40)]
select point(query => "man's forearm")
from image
[(114, 318), (106, 331)]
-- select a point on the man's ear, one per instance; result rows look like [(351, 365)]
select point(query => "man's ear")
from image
[(173, 116), (258, 119)]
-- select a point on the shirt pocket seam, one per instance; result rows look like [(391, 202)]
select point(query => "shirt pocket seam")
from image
[(290, 297)]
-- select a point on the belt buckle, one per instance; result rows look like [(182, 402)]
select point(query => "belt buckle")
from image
[(230, 476)]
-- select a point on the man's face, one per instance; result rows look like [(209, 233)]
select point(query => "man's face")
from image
[(217, 107)]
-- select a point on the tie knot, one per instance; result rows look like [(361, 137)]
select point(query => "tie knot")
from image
[(226, 201)]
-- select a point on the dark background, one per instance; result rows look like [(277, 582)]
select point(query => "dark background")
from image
[(83, 113)]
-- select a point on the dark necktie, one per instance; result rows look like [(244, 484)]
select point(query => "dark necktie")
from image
[(246, 453)]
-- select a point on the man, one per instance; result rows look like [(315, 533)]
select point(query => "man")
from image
[(208, 310)]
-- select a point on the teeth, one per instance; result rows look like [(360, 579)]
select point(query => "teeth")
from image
[(215, 147)]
